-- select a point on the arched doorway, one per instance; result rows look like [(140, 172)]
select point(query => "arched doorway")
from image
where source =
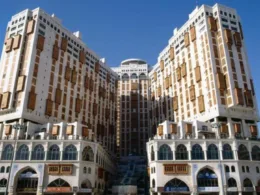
[(207, 181), (232, 187), (85, 188), (27, 182), (248, 187), (176, 186), (57, 186)]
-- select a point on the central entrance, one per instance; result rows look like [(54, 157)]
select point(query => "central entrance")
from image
[(27, 182)]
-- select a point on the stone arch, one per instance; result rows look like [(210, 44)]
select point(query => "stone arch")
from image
[(86, 184), (176, 185), (207, 177)]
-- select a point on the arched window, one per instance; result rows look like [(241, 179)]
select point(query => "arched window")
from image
[(59, 183), (257, 169), (165, 152), (255, 153), (70, 153), (247, 169), (247, 183), (2, 170), (181, 152), (152, 154), (227, 152), (134, 76), (212, 152), (197, 152), (227, 169), (176, 185), (30, 183), (84, 170), (243, 153), (232, 183), (8, 152), (86, 184), (88, 154), (38, 153), (54, 153), (153, 183), (89, 170), (3, 183), (22, 153), (207, 178), (243, 169), (125, 76), (233, 169)]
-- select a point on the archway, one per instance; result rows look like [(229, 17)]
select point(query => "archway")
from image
[(27, 182), (207, 179), (88, 154), (176, 185), (59, 185)]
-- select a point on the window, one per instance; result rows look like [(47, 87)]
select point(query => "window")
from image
[(212, 152), (54, 153), (255, 153), (88, 154), (153, 183), (59, 183), (207, 178), (227, 170), (224, 19), (38, 153), (181, 152), (247, 169), (70, 153), (232, 183), (257, 169), (197, 152), (177, 184), (89, 170), (7, 153), (227, 152), (84, 170), (22, 153), (243, 153), (247, 183), (165, 153), (243, 169), (2, 170), (3, 183), (233, 169), (152, 154)]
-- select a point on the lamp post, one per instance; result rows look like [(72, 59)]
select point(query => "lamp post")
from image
[(16, 127)]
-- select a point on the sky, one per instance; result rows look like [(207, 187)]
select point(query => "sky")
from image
[(122, 29)]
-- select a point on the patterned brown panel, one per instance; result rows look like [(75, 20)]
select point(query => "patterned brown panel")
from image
[(5, 100), (173, 128), (31, 100), (183, 70), (55, 130), (17, 41), (192, 93), (178, 73), (166, 83), (162, 65), (237, 128), (30, 27), (186, 39), (68, 73), (74, 76), (69, 130), (78, 105), (82, 57), (201, 103), (172, 55), (64, 44), (193, 33), (95, 109), (155, 76), (239, 96), (221, 81), (253, 130), (175, 103), (228, 36), (197, 74), (86, 82), (40, 42), (188, 128), (160, 130), (20, 83), (55, 52), (8, 129), (9, 45), (249, 98), (58, 96), (224, 128), (212, 23), (237, 39), (84, 131), (48, 109), (97, 67)]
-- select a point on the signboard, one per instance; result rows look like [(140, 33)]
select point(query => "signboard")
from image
[(58, 189), (208, 189), (176, 189)]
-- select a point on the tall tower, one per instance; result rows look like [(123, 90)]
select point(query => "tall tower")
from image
[(133, 109)]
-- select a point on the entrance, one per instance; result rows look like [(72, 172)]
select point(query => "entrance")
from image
[(27, 182)]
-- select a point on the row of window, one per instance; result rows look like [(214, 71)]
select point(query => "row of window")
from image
[(181, 153), (54, 153)]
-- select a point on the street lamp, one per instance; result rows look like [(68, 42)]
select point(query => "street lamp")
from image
[(16, 126)]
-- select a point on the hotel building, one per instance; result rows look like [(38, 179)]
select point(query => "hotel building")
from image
[(133, 107), (49, 76), (204, 121)]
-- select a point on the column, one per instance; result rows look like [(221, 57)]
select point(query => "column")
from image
[(205, 154), (189, 154), (230, 128)]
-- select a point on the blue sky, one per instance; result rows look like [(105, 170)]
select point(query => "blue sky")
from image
[(121, 29)]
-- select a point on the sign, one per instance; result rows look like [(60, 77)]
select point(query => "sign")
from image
[(208, 189), (176, 189), (28, 175), (86, 190), (58, 189), (2, 189), (232, 189)]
